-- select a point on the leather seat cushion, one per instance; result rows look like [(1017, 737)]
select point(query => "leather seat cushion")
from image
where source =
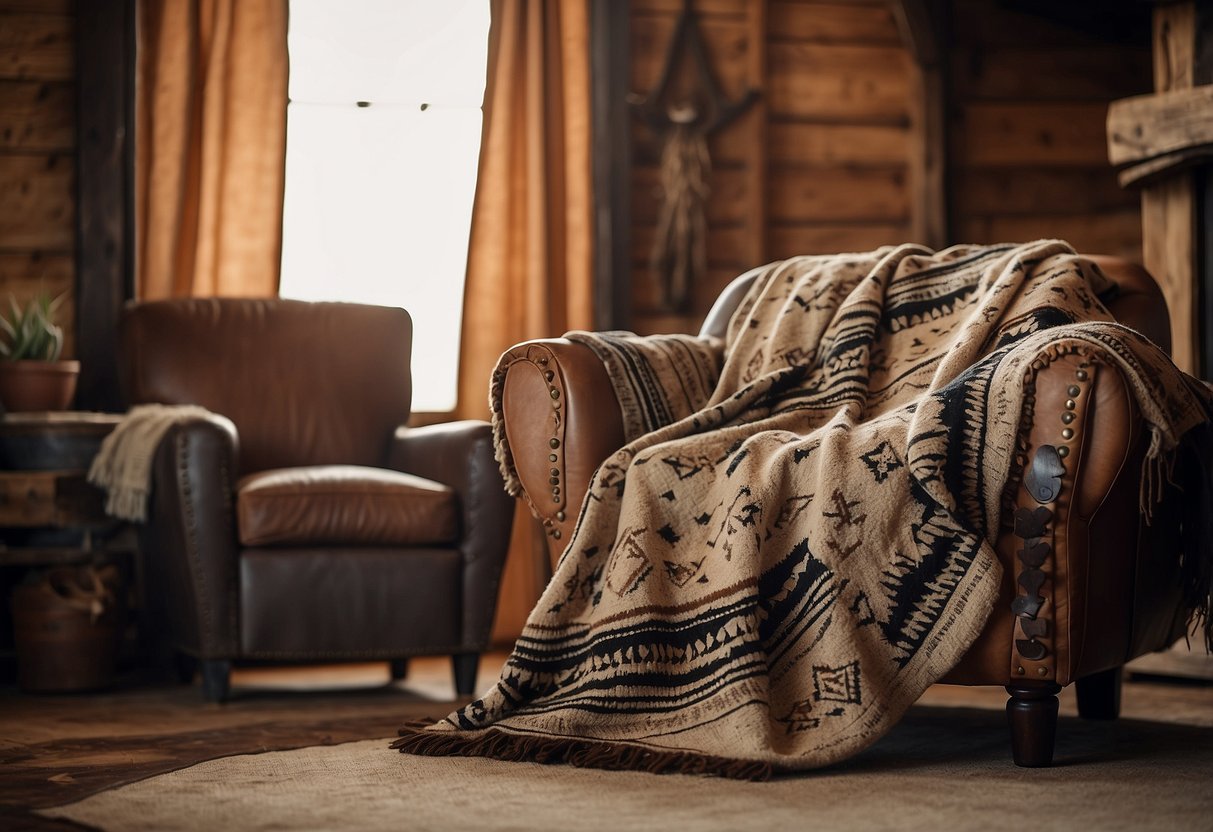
[(345, 504)]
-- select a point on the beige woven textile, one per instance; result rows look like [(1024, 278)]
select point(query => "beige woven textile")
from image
[(769, 582)]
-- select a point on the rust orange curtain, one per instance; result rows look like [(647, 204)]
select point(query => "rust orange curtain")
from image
[(210, 147), (530, 258)]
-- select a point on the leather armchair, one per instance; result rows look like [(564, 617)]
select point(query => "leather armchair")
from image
[(303, 521), (1109, 595)]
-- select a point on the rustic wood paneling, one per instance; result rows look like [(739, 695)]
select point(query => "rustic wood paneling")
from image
[(1035, 191), (1108, 232), (793, 240), (726, 245), (36, 46), (706, 9), (798, 144), (1049, 74), (839, 82), (63, 7), (1049, 134), (37, 202), (832, 194), (725, 205), (36, 115), (1028, 136), (725, 40), (792, 20)]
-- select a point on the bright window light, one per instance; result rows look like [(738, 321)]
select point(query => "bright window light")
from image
[(383, 139)]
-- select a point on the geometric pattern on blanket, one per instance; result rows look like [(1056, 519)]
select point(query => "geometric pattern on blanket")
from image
[(771, 581)]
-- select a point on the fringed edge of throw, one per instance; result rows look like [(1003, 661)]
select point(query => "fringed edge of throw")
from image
[(1191, 484), (599, 754)]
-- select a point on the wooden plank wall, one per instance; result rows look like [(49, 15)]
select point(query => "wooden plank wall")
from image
[(1027, 154), (836, 117), (37, 153), (1028, 145)]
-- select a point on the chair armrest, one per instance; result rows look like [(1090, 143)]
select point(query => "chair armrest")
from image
[(560, 420), (1108, 594), (189, 543), (460, 455)]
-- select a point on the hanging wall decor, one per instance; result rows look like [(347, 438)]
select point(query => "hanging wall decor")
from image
[(682, 116)]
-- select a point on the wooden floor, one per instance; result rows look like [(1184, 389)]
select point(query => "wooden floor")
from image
[(58, 748)]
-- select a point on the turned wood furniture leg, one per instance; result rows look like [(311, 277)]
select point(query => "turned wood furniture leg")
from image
[(465, 665), (1032, 714), (216, 679), (1099, 694), (399, 668)]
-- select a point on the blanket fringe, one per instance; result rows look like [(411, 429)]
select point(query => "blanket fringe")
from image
[(1192, 488), (599, 754)]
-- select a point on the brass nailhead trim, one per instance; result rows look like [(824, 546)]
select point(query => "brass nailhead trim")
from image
[(1082, 375), (1067, 433), (549, 375), (1067, 418), (560, 516), (1070, 405), (1019, 670), (1040, 671), (556, 534), (551, 457), (1063, 452), (1074, 390), (554, 443), (555, 472), (554, 480), (556, 393)]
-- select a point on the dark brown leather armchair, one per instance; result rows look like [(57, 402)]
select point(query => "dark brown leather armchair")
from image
[(1112, 592), (284, 527)]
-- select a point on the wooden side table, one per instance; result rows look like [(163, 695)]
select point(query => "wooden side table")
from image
[(49, 514)]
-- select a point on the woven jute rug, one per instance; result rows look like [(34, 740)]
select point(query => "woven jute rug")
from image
[(941, 768)]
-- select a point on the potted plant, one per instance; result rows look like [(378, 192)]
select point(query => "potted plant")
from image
[(32, 376)]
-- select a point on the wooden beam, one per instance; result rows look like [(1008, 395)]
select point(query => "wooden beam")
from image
[(1168, 208), (105, 52), (612, 161), (1147, 126), (756, 126), (921, 23)]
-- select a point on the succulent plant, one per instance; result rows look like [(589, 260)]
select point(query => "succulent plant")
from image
[(31, 334)]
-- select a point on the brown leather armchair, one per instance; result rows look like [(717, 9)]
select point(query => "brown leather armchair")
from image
[(1110, 594), (284, 527)]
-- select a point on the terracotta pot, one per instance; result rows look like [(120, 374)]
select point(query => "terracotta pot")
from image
[(38, 385)]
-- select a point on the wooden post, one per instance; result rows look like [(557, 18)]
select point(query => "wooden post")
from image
[(610, 122), (1168, 208), (921, 25), (105, 53), (756, 172)]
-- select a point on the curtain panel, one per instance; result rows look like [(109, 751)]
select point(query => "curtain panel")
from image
[(530, 260), (210, 148)]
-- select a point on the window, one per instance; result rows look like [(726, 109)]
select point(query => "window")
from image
[(383, 139)]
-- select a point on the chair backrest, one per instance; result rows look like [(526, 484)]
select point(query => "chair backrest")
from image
[(304, 383), (1138, 302)]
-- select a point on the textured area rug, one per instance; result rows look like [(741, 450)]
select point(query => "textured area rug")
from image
[(940, 768)]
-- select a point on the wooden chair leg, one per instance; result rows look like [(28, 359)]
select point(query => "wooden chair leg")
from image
[(465, 665), (399, 669), (1032, 714), (1099, 694), (216, 679)]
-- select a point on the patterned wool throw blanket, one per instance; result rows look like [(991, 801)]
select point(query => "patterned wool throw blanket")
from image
[(770, 581)]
